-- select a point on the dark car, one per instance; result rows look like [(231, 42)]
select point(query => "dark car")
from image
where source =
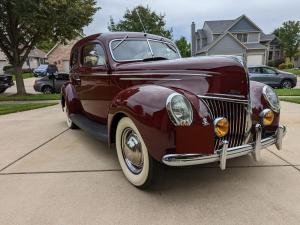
[(50, 83), (6, 81), (45, 69), (135, 92), (272, 77)]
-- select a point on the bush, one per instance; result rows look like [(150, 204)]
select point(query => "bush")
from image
[(8, 68), (289, 66), (282, 66), (28, 70)]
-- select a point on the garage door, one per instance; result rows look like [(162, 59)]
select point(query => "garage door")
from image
[(255, 59)]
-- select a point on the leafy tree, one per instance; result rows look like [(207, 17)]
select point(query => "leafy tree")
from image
[(46, 45), (24, 23), (289, 36), (184, 47), (154, 23)]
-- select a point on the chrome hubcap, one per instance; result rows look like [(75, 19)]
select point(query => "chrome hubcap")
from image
[(132, 151), (287, 84)]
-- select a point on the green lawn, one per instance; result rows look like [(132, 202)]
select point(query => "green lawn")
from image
[(12, 108), (288, 92), (297, 71), (37, 97), (293, 100), (25, 76)]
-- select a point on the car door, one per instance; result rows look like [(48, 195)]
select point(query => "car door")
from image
[(270, 76), (94, 92)]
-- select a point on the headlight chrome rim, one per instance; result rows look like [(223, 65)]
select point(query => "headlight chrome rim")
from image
[(171, 114), (264, 114), (273, 107)]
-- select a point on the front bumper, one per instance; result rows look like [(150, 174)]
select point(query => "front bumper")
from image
[(228, 153)]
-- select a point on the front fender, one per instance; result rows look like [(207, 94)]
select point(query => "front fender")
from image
[(146, 106), (258, 104)]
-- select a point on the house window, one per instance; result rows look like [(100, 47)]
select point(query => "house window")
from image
[(242, 37), (270, 55)]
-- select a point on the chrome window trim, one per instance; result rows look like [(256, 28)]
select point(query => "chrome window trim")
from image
[(138, 39)]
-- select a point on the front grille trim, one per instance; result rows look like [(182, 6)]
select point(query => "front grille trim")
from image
[(235, 110)]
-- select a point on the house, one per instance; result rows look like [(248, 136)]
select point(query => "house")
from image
[(60, 55), (34, 59), (240, 37)]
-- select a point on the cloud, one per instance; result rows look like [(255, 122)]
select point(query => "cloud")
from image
[(267, 14)]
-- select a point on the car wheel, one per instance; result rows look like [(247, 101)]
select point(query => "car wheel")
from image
[(138, 166), (286, 84), (70, 123), (47, 90)]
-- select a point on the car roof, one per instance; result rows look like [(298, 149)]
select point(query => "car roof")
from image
[(119, 35), (250, 66)]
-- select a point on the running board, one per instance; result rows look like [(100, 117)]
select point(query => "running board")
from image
[(96, 129)]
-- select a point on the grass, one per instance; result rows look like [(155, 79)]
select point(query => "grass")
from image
[(37, 97), (25, 76), (294, 71), (288, 92), (12, 108), (293, 100)]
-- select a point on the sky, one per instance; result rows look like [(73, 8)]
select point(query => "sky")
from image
[(267, 14)]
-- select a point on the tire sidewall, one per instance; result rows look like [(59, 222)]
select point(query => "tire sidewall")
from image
[(283, 86), (136, 179)]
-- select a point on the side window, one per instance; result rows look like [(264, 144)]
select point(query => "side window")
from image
[(268, 71), (74, 58), (93, 55)]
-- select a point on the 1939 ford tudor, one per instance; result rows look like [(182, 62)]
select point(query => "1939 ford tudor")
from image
[(135, 91)]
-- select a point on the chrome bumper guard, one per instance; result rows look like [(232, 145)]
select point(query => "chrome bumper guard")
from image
[(229, 153)]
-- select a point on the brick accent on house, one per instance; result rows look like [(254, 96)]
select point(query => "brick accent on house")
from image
[(60, 55)]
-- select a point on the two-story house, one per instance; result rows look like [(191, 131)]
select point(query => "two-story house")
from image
[(240, 37)]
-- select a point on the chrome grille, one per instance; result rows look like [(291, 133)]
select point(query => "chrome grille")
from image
[(236, 113)]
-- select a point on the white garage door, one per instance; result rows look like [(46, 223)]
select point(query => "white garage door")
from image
[(255, 59), (66, 65)]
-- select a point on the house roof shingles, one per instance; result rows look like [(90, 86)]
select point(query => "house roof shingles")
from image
[(219, 26), (250, 46)]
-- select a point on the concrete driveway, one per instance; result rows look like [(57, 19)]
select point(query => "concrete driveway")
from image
[(52, 175)]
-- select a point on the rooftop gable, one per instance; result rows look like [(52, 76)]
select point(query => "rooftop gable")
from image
[(244, 24)]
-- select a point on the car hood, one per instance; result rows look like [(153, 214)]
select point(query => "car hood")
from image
[(222, 76)]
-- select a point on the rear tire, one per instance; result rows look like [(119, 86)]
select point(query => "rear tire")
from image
[(140, 169), (47, 90), (286, 84), (70, 123)]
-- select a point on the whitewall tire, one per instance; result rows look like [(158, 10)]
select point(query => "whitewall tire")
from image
[(136, 163), (70, 123)]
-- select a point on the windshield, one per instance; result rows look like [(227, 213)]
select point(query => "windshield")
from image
[(129, 50), (42, 67)]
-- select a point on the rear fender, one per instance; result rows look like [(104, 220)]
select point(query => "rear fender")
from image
[(70, 98)]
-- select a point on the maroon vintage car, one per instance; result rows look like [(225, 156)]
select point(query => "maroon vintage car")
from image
[(135, 91)]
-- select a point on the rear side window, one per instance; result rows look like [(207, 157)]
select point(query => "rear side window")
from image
[(74, 58), (93, 55)]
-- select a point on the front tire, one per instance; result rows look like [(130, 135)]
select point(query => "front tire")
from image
[(286, 84), (138, 166), (47, 90)]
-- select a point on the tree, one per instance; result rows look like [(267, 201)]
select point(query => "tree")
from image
[(46, 45), (184, 47), (25, 23), (154, 23), (289, 37)]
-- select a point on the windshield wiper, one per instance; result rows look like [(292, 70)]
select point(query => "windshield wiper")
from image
[(155, 58), (126, 36)]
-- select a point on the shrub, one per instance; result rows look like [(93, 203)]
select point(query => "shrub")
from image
[(282, 66), (8, 68), (289, 66)]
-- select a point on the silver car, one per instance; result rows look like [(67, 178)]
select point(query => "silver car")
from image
[(272, 77), (50, 84)]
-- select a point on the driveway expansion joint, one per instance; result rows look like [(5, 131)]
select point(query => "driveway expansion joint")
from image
[(290, 164), (28, 153)]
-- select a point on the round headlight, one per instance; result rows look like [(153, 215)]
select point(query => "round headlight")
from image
[(179, 109), (272, 98), (221, 126)]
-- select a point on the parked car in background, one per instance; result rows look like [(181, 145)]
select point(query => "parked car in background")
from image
[(6, 81), (45, 69), (50, 83), (135, 91), (272, 77)]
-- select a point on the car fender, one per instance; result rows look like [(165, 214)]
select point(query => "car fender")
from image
[(146, 106), (69, 96)]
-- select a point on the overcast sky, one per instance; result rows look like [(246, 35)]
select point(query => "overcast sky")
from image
[(267, 14)]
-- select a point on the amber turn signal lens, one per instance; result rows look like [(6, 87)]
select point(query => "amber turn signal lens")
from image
[(268, 117), (221, 126)]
